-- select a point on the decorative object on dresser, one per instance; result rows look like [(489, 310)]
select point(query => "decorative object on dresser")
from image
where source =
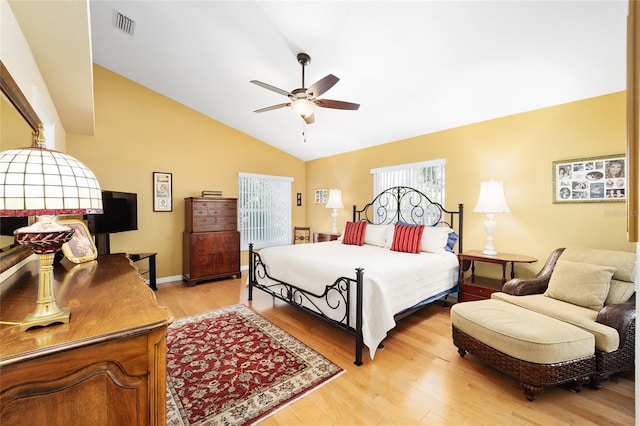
[(474, 287), (335, 203), (214, 193), (107, 366), (211, 241), (80, 248), (232, 366), (64, 186), (491, 201), (162, 192), (320, 237)]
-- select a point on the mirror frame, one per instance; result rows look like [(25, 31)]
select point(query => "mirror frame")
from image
[(13, 256)]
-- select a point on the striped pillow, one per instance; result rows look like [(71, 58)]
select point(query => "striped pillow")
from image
[(407, 238), (354, 233)]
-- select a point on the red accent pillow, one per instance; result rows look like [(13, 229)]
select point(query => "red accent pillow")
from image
[(354, 233), (407, 238)]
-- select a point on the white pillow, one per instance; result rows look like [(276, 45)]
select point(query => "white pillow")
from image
[(388, 239), (375, 235), (435, 238)]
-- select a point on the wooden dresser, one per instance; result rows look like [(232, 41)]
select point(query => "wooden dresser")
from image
[(211, 241), (106, 367)]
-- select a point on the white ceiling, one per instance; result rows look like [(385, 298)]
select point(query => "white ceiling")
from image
[(415, 67)]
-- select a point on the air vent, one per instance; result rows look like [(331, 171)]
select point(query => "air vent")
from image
[(123, 23)]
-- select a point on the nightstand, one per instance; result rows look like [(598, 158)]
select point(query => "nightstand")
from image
[(477, 288), (319, 237)]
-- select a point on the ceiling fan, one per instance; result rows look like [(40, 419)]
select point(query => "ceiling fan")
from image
[(303, 100)]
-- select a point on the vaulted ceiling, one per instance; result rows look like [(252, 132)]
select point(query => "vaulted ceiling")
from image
[(414, 67)]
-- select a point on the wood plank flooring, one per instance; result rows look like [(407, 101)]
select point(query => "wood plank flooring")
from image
[(417, 379)]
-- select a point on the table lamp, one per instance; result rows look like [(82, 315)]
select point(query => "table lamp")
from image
[(491, 201), (44, 183), (335, 203)]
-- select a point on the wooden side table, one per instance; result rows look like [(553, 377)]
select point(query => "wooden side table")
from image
[(478, 288), (151, 270), (319, 237)]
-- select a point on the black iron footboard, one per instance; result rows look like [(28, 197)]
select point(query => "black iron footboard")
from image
[(333, 305)]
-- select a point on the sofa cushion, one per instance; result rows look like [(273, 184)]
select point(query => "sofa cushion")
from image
[(622, 287), (521, 333), (607, 338), (619, 292), (582, 284)]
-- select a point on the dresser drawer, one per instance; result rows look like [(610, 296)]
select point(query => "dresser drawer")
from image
[(211, 215), (476, 289)]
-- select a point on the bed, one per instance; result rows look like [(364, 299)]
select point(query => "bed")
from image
[(366, 280)]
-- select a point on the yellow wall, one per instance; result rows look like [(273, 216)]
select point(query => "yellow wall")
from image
[(139, 131), (518, 150)]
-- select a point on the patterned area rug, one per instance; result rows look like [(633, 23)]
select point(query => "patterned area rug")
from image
[(231, 366)]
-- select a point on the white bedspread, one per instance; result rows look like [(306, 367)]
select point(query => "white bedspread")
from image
[(393, 281)]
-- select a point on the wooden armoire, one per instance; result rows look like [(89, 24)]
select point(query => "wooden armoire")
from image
[(211, 241)]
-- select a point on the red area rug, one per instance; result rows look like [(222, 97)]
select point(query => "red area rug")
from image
[(231, 366)]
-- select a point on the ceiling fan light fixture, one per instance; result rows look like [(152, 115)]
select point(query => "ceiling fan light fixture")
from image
[(303, 107)]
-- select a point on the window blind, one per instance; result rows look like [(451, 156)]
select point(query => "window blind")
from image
[(264, 210), (426, 176)]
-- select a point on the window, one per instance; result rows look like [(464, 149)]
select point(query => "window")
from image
[(426, 176), (264, 216)]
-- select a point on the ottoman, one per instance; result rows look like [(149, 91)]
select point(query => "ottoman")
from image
[(534, 349)]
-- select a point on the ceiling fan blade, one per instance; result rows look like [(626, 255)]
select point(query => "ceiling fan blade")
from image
[(310, 119), (322, 85), (270, 108), (270, 87), (328, 103)]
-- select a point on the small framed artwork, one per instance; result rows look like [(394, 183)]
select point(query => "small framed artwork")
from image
[(594, 179), (80, 248), (321, 196), (162, 192)]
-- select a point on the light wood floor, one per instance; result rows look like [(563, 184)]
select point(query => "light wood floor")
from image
[(417, 379)]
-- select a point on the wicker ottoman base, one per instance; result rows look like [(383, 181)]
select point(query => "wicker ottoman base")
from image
[(533, 378)]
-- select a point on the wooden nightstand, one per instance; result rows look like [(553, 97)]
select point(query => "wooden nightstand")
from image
[(319, 237), (478, 288)]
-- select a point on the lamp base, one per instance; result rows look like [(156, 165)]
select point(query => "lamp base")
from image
[(35, 320), (489, 224), (45, 238)]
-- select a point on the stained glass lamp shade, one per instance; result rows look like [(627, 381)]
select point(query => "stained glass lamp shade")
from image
[(40, 182)]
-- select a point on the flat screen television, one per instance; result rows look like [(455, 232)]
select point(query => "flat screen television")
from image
[(120, 213), (10, 224)]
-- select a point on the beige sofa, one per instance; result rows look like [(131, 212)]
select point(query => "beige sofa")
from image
[(573, 322)]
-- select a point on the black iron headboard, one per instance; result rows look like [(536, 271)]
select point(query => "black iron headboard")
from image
[(408, 205)]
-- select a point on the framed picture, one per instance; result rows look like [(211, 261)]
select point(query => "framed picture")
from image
[(595, 180), (162, 192), (80, 248), (321, 196)]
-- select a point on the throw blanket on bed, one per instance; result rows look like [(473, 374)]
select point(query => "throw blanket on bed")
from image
[(393, 281)]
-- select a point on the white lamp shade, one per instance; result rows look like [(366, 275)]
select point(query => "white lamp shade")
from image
[(335, 199), (38, 181), (491, 199), (303, 107)]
